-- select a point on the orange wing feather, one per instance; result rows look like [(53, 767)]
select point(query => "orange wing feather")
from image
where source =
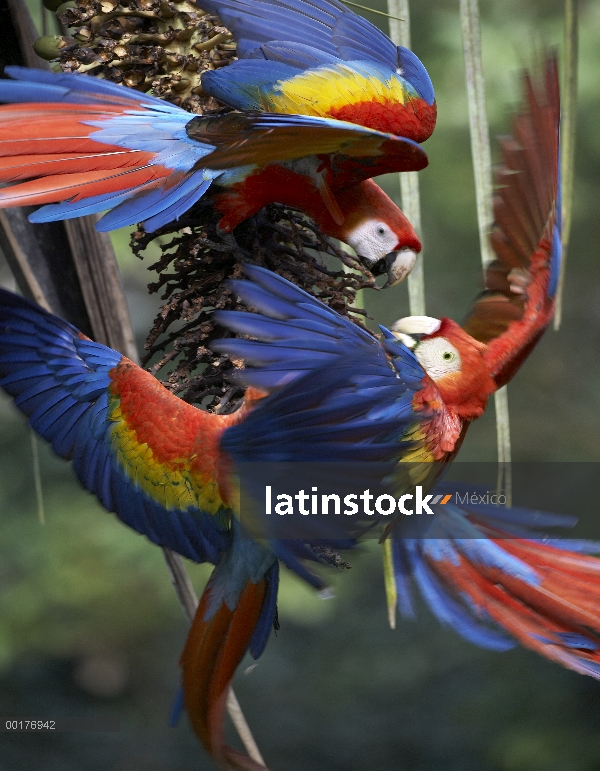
[(525, 212)]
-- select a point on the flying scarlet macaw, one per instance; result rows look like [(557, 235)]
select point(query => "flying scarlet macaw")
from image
[(344, 105), (433, 395), (334, 394)]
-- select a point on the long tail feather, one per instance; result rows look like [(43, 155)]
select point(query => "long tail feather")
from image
[(215, 646), (79, 186), (73, 139), (20, 167)]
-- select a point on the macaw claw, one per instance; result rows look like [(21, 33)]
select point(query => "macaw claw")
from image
[(519, 280)]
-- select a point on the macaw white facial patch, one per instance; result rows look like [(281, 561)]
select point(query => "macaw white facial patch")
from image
[(372, 240), (438, 357)]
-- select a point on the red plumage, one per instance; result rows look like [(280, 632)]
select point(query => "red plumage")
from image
[(415, 119), (211, 655)]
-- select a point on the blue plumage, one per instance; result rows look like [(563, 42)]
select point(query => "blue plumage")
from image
[(43, 86), (61, 382), (412, 69), (326, 25), (177, 202), (353, 394), (243, 83), (448, 610), (300, 35), (264, 625)]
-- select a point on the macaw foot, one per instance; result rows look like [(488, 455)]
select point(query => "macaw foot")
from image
[(228, 239), (519, 280)]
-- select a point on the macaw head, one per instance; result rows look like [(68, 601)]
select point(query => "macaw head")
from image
[(453, 360), (378, 231)]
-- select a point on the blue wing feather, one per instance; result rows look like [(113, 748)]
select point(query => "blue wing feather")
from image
[(43, 86), (449, 611), (326, 25), (245, 83), (61, 382), (302, 34), (354, 406), (263, 627)]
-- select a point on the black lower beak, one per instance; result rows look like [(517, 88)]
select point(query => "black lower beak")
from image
[(396, 265)]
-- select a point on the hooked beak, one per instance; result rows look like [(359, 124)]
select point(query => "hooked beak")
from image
[(397, 266), (416, 325)]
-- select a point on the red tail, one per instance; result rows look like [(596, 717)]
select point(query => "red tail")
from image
[(559, 617), (212, 652)]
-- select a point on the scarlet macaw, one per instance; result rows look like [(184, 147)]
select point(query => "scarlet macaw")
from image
[(167, 468), (157, 462), (362, 105)]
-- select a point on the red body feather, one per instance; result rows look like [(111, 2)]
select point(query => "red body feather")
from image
[(279, 183)]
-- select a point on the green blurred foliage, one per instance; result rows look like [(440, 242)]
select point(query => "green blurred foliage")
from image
[(89, 623)]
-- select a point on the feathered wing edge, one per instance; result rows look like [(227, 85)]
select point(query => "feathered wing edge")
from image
[(329, 28), (263, 138), (71, 390), (82, 146), (518, 302)]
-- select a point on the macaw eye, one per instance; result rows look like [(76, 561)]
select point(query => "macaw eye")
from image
[(381, 230), (448, 356)]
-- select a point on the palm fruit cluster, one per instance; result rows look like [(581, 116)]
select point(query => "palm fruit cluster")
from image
[(197, 259), (162, 45)]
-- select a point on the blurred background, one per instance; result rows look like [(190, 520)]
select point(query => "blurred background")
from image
[(89, 623)]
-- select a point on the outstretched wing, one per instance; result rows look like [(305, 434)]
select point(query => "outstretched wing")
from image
[(146, 455), (340, 395), (95, 146), (356, 153), (317, 57), (518, 303)]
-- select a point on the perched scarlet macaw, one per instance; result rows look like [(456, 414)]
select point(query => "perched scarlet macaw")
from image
[(97, 146)]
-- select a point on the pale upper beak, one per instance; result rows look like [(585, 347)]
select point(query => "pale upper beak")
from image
[(416, 325), (396, 265)]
